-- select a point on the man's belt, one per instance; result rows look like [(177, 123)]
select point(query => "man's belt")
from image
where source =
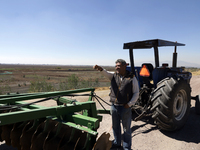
[(118, 104)]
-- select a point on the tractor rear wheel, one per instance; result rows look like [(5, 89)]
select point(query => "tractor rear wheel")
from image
[(171, 103)]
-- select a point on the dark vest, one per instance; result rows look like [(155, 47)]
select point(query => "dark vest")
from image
[(121, 90)]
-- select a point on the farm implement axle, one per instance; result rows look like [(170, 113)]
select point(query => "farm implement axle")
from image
[(69, 125)]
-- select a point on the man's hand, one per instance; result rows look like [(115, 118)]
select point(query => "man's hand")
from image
[(98, 67), (126, 106)]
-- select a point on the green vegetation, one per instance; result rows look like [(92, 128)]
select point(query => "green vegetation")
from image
[(41, 85), (73, 82)]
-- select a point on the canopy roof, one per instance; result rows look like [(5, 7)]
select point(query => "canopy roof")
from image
[(150, 44)]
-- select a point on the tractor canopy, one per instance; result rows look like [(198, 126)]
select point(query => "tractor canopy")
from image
[(147, 44), (150, 43)]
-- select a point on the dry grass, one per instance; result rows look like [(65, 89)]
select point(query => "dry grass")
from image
[(101, 88), (23, 75), (195, 73)]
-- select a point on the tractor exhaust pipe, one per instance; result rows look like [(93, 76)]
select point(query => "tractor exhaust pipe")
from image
[(174, 61)]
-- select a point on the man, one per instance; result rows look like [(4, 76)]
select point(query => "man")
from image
[(124, 94)]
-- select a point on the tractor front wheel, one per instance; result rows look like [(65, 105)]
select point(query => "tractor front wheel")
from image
[(171, 103)]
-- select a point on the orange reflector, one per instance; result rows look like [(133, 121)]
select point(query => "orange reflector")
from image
[(144, 71)]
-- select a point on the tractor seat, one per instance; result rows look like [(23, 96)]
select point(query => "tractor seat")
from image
[(146, 73)]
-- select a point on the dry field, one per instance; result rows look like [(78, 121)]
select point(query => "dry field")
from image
[(23, 75)]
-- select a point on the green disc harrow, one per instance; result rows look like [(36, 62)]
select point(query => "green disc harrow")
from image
[(71, 125)]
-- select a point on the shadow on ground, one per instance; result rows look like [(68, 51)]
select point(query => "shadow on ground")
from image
[(190, 131), (145, 120)]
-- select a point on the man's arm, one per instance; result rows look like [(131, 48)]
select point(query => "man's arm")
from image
[(106, 73), (135, 92)]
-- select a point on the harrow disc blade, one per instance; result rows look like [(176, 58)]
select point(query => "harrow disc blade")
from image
[(52, 141), (16, 133), (81, 143), (73, 140), (103, 142), (5, 135), (27, 133), (0, 134), (66, 137), (41, 134), (55, 137)]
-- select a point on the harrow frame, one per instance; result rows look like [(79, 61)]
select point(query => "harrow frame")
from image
[(81, 116)]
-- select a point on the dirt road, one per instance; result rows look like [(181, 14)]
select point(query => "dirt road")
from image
[(146, 136)]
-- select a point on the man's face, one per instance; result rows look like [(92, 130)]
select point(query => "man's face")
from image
[(121, 69)]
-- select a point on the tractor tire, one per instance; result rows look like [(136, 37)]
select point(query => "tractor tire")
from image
[(171, 103)]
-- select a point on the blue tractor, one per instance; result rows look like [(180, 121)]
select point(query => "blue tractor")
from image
[(165, 92)]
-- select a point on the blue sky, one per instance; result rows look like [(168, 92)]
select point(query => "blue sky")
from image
[(88, 32)]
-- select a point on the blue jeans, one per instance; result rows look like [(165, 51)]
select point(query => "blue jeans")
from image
[(120, 114)]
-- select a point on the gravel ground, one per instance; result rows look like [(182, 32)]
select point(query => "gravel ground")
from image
[(146, 136)]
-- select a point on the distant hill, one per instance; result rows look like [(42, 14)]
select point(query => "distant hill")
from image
[(187, 64)]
